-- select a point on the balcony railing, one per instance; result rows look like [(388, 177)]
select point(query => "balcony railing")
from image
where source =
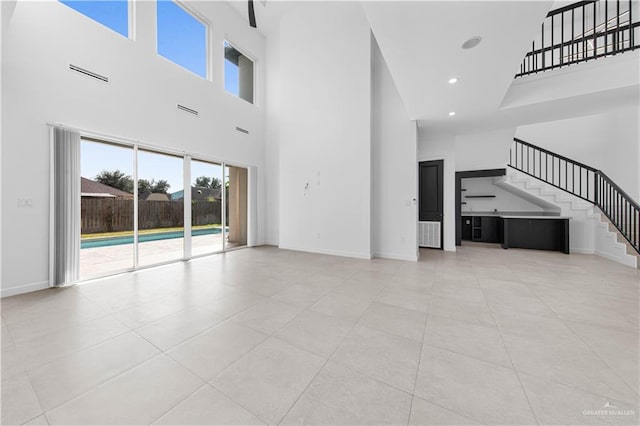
[(581, 32)]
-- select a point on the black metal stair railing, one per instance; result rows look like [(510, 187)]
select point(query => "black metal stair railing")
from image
[(583, 31), (620, 208), (582, 181)]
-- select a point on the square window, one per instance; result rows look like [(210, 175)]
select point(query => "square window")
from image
[(238, 73), (182, 38), (112, 14)]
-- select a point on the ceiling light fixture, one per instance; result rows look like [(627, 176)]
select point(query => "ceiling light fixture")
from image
[(452, 113), (453, 80), (472, 42)]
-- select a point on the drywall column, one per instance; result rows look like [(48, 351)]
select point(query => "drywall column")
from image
[(237, 206), (394, 171), (245, 74), (324, 128)]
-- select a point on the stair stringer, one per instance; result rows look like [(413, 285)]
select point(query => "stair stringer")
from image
[(588, 233)]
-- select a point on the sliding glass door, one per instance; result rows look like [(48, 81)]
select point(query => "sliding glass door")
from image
[(106, 208), (206, 207), (160, 208), (134, 204)]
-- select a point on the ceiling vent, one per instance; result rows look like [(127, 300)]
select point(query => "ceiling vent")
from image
[(240, 129), (88, 73), (187, 109)]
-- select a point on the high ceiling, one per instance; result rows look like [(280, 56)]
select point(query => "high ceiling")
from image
[(421, 43)]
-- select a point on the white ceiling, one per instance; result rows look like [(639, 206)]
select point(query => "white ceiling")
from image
[(421, 43), (268, 12)]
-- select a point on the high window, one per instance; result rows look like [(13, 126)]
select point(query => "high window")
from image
[(238, 73), (112, 14), (182, 38)]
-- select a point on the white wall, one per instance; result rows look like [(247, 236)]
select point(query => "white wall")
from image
[(324, 130), (503, 202), (609, 142), (442, 147), (394, 180), (273, 83), (486, 150), (139, 103)]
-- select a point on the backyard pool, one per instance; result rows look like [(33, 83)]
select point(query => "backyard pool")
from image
[(142, 238)]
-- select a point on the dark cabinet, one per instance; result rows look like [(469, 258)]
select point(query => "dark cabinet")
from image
[(491, 229), (466, 228), (486, 229), (518, 232), (540, 234)]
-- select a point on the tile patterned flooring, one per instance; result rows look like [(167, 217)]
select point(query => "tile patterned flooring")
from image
[(269, 336)]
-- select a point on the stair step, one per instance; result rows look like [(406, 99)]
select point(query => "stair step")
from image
[(611, 242)]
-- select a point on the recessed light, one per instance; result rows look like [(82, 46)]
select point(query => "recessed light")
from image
[(453, 80), (452, 113), (472, 42)]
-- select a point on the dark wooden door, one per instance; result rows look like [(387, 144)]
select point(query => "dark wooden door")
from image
[(430, 192)]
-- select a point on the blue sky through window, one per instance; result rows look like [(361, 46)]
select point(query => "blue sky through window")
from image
[(110, 13), (97, 157), (181, 37)]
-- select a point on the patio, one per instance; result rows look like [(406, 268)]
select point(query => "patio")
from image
[(99, 261)]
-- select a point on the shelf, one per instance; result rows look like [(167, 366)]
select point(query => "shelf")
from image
[(462, 189), (463, 202), (479, 196)]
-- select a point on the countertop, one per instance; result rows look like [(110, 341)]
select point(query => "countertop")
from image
[(533, 217), (513, 216)]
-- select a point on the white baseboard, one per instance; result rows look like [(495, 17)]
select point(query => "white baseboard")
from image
[(395, 256), (581, 250), (329, 252), (627, 260), (270, 243), (25, 288)]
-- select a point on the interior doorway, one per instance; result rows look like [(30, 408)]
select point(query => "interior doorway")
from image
[(430, 210)]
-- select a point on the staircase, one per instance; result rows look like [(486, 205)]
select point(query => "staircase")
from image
[(605, 221), (590, 232)]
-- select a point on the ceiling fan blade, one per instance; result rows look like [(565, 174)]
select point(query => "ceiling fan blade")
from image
[(252, 15)]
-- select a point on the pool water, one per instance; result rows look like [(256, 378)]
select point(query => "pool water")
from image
[(143, 238)]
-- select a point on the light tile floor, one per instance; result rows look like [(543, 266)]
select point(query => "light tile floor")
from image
[(262, 335)]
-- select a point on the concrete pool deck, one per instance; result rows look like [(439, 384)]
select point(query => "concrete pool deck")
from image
[(98, 261)]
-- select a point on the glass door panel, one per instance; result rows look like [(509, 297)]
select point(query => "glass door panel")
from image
[(106, 208), (236, 187), (206, 207), (160, 208)]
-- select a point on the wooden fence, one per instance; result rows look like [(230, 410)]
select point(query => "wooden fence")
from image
[(115, 215)]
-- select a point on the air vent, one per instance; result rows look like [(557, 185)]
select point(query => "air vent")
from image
[(88, 73), (429, 234), (240, 129), (189, 110)]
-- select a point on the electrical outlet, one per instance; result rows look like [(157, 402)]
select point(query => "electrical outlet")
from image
[(25, 203)]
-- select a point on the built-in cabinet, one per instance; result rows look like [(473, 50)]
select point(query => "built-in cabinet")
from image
[(542, 233), (486, 229)]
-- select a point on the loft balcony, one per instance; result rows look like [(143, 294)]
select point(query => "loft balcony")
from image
[(581, 32)]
